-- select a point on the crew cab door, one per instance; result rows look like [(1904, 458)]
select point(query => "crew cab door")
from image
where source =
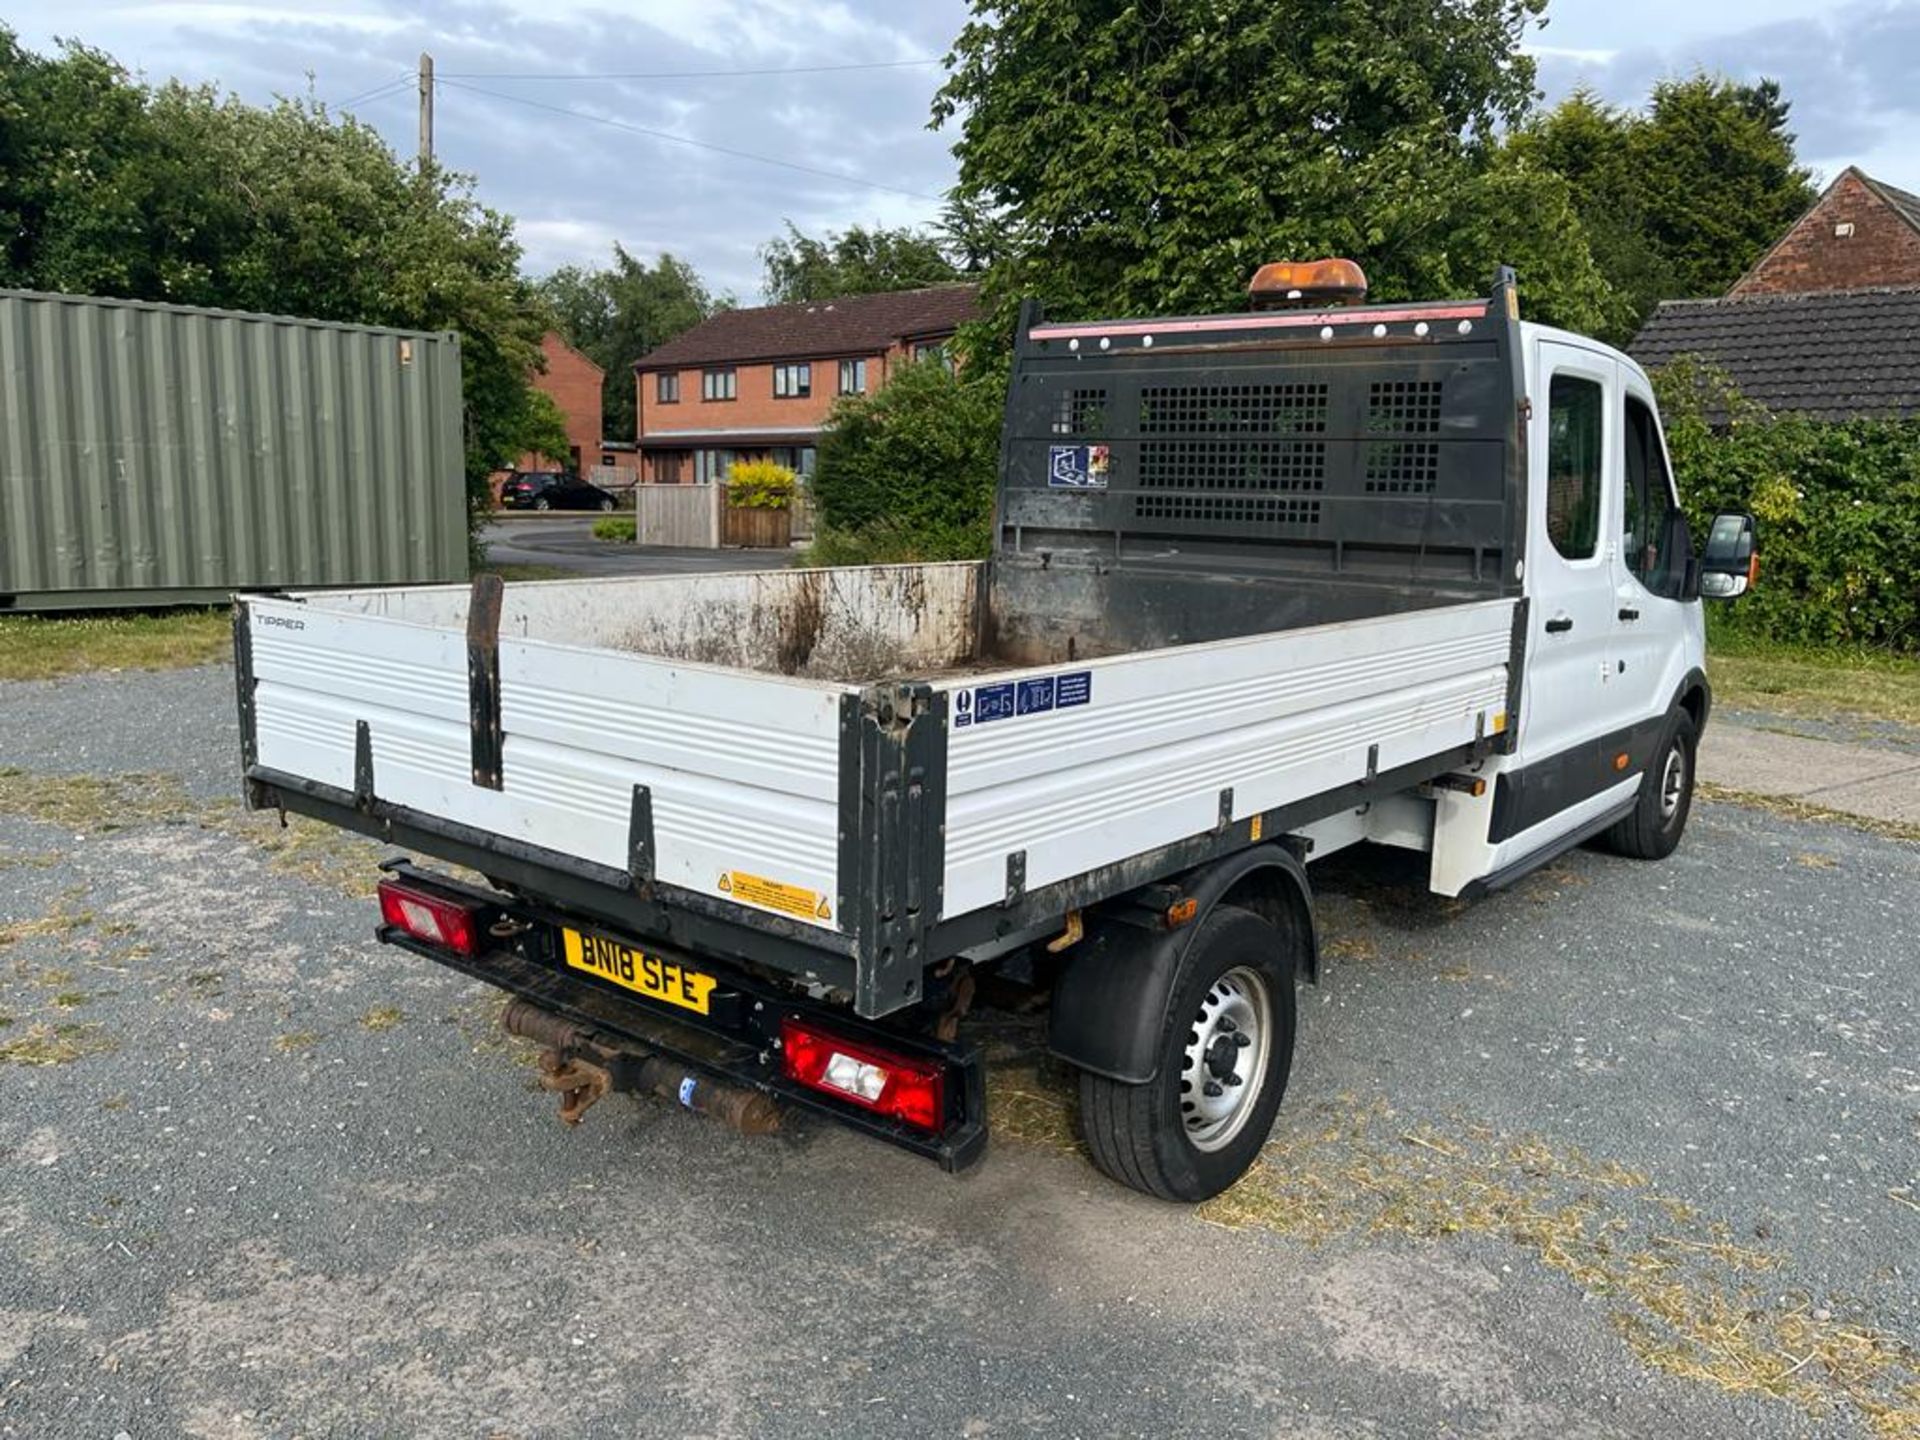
[(1573, 677)]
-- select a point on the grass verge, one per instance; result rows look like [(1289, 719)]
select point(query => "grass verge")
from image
[(1821, 684), (44, 647), (511, 573)]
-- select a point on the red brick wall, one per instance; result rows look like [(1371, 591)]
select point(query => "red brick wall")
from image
[(1882, 250), (755, 406), (574, 383)]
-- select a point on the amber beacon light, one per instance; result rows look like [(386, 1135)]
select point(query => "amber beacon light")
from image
[(1307, 282)]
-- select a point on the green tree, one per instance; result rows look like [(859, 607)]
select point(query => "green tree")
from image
[(543, 429), (1147, 159), (857, 261), (908, 472), (615, 314), (1681, 198), (176, 193)]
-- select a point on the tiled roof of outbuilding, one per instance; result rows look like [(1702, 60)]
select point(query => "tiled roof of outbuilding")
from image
[(1830, 355)]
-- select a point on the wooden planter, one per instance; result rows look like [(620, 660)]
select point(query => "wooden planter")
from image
[(756, 529)]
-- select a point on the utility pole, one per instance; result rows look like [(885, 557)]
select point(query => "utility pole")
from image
[(426, 112)]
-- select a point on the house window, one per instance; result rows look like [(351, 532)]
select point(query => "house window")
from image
[(718, 384), (933, 350), (666, 387), (792, 382), (853, 377), (710, 467), (666, 467)]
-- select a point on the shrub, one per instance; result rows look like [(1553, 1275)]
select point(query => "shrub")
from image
[(908, 472), (759, 485), (1838, 506), (614, 527)]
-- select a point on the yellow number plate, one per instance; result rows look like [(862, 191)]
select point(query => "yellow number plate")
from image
[(646, 975)]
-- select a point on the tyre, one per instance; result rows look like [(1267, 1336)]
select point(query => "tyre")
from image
[(1666, 797), (543, 503), (1226, 1047)]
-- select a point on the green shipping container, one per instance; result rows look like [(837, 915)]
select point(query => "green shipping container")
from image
[(159, 454)]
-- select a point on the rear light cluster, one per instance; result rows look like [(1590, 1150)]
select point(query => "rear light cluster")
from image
[(429, 918), (910, 1090)]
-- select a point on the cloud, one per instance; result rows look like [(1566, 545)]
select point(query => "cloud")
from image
[(1847, 71), (577, 185)]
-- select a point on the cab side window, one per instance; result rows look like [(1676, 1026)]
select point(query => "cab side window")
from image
[(1650, 538), (1575, 423)]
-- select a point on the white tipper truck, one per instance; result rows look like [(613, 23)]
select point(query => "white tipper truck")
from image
[(1263, 585)]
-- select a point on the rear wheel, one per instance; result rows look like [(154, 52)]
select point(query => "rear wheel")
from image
[(605, 506), (543, 503), (1660, 812), (1226, 1048)]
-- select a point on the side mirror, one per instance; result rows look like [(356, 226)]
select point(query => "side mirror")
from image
[(1730, 563)]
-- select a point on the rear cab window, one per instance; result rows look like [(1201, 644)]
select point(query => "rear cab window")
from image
[(1576, 430)]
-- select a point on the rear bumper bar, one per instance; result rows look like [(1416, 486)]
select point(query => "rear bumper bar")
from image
[(738, 1040)]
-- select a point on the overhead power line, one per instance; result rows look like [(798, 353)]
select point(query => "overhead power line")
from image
[(378, 92), (684, 140), (684, 74)]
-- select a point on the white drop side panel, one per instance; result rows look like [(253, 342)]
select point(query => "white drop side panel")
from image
[(741, 768), (1277, 718)]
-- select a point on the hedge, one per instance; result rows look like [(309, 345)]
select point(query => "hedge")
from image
[(1837, 503), (908, 472)]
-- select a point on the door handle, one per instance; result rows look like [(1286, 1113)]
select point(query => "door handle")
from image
[(1559, 626), (1629, 614)]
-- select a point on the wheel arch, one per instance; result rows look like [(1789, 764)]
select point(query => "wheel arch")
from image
[(1110, 1001), (1695, 696)]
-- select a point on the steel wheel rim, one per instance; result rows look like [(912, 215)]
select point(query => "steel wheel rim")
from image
[(1236, 1005), (1673, 781)]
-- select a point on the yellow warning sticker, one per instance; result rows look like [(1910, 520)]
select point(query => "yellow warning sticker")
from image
[(775, 895)]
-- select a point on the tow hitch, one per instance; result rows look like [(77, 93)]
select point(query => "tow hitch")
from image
[(581, 1065)]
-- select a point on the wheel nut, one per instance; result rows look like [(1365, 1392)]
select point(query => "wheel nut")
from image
[(1226, 1024), (1233, 1079), (1212, 1090), (1243, 1040)]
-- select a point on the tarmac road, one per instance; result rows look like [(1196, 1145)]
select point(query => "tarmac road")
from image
[(1613, 1154), (566, 542)]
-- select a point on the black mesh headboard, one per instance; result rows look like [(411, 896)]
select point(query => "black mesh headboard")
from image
[(1354, 449)]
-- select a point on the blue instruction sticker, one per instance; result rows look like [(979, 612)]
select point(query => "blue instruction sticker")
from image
[(1034, 696), (1077, 467), (993, 702)]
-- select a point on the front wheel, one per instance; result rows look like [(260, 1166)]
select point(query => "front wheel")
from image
[(1226, 1049), (1660, 812)]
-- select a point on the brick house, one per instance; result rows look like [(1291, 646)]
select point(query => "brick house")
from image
[(1861, 233), (757, 384), (574, 383), (1827, 322)]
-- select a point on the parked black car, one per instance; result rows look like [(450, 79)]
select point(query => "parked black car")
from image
[(552, 490)]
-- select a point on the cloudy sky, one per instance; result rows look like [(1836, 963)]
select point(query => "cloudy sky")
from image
[(624, 166)]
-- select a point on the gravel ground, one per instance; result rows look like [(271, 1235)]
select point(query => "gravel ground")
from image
[(1583, 1159)]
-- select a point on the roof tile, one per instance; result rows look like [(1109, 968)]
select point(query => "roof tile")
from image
[(1830, 355), (855, 324)]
